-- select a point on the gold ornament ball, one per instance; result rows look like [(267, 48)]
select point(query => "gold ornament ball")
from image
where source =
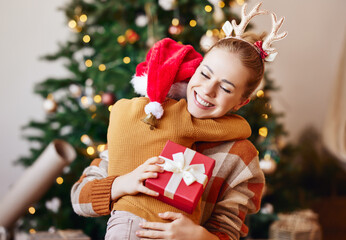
[(50, 106), (268, 166)]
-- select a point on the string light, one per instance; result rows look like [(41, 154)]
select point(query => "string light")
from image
[(265, 116), (92, 108), (216, 32), (121, 39), (85, 139), (101, 147), (260, 93), (32, 231), (175, 21), (72, 23), (209, 33), (240, 2), (86, 38), (193, 23), (221, 4), (93, 116), (267, 105), (102, 67), (267, 156), (84, 100), (59, 180), (83, 18), (208, 8), (110, 108), (97, 98), (32, 210), (263, 131), (126, 60), (88, 63), (90, 150)]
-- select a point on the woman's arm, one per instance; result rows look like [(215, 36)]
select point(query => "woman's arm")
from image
[(91, 194), (234, 191)]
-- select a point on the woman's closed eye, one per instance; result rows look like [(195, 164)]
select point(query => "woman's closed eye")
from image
[(205, 75), (225, 89)]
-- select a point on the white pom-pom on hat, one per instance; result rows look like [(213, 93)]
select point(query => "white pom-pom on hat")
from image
[(177, 91), (154, 108), (140, 83)]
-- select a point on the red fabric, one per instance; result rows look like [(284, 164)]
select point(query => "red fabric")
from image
[(168, 62), (258, 44)]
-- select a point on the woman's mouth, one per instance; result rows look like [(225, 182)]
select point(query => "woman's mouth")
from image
[(201, 102)]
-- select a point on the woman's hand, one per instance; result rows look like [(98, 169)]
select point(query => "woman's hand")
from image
[(181, 228), (133, 182)]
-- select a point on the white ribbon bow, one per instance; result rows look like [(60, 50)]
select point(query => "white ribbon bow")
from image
[(181, 169)]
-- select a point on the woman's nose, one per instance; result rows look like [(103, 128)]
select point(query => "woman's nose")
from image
[(209, 88)]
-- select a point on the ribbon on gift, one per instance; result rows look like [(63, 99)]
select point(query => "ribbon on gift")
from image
[(182, 170)]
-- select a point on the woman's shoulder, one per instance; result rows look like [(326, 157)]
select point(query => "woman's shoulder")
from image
[(242, 148)]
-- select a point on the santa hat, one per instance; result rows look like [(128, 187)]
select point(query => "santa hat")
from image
[(167, 65)]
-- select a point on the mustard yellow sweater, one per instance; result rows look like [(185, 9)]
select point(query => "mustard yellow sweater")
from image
[(131, 143)]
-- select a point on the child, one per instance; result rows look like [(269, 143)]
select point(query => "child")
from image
[(214, 89)]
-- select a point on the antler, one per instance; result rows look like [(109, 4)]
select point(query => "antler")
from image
[(274, 36), (245, 19)]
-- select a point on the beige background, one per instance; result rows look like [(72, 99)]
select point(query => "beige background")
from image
[(305, 68)]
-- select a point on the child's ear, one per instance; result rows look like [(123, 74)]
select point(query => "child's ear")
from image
[(236, 108)]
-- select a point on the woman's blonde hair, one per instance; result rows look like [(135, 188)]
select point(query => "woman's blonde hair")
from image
[(248, 55)]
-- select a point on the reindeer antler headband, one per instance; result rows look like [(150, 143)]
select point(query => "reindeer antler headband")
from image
[(266, 51)]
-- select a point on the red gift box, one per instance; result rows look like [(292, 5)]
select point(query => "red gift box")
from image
[(182, 166)]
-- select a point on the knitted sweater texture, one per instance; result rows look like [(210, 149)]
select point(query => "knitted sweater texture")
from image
[(234, 190), (131, 142)]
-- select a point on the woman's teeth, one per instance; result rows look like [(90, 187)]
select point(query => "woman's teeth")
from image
[(204, 103)]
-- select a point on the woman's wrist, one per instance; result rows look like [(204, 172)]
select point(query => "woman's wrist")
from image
[(117, 191)]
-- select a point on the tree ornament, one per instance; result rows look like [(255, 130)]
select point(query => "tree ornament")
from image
[(141, 20), (53, 204), (108, 98), (75, 90), (175, 30), (218, 14), (167, 5), (207, 41), (49, 104), (151, 41), (268, 164), (267, 208), (131, 36)]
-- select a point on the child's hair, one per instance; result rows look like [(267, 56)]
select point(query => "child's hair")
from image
[(248, 55)]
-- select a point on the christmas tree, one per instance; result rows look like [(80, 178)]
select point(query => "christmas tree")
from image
[(108, 39)]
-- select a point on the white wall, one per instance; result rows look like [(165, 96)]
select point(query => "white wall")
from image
[(305, 67), (28, 30), (308, 59)]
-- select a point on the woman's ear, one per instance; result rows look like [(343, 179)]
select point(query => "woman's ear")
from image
[(236, 108)]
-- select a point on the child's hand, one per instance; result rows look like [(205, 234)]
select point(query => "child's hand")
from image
[(132, 183)]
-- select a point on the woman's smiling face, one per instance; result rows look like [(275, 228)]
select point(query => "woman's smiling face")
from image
[(217, 85)]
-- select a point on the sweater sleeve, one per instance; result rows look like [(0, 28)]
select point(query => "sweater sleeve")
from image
[(91, 194), (235, 192)]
